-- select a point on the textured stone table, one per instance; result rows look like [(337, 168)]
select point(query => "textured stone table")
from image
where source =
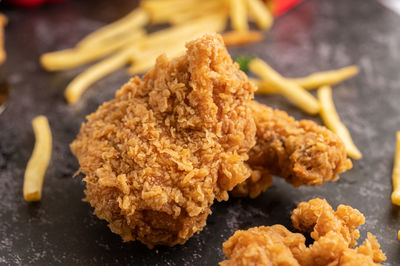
[(317, 35)]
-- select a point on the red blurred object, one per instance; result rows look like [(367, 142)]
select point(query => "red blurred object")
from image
[(32, 3), (281, 6)]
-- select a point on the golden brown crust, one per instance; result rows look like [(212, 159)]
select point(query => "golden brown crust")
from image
[(258, 182), (264, 245), (318, 218), (301, 152), (3, 22), (334, 234), (157, 156)]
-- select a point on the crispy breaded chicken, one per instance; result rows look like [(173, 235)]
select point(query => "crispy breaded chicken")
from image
[(156, 156), (301, 152), (334, 234)]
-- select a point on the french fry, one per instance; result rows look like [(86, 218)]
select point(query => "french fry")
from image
[(150, 47), (173, 40), (3, 22), (263, 87), (80, 83), (332, 121), (296, 94), (211, 23), (232, 38), (396, 173), (134, 20), (261, 14), (71, 58), (162, 4), (37, 164), (313, 81), (238, 15), (146, 62), (330, 78), (206, 7), (162, 11)]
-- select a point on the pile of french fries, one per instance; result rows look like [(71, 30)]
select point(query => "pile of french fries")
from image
[(126, 41), (296, 91)]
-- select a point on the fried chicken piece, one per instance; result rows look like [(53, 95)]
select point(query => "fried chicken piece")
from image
[(157, 155), (318, 218), (3, 22), (333, 232), (301, 152), (264, 245)]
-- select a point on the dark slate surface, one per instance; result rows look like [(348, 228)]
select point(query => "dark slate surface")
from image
[(317, 35)]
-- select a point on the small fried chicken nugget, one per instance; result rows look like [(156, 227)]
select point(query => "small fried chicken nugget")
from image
[(333, 232)]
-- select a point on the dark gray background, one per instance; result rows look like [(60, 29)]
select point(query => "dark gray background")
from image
[(318, 35)]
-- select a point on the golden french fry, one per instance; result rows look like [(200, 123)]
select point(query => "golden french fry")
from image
[(211, 23), (134, 20), (206, 7), (163, 11), (263, 87), (296, 94), (260, 12), (331, 77), (146, 62), (3, 22), (238, 15), (173, 40), (75, 57), (396, 173), (313, 81), (162, 5), (175, 36), (331, 119), (37, 164), (94, 73), (232, 38)]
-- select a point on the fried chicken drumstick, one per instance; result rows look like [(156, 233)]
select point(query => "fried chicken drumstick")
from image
[(334, 234), (157, 156), (301, 152)]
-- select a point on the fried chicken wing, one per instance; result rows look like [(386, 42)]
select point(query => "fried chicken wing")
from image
[(334, 235), (301, 152), (156, 156)]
